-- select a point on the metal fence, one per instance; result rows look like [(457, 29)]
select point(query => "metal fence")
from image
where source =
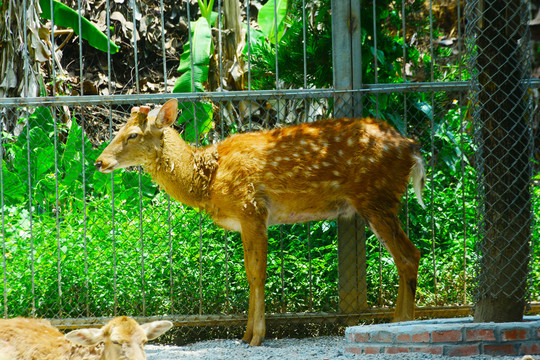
[(78, 245)]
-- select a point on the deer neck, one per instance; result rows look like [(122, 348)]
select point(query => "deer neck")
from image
[(185, 172)]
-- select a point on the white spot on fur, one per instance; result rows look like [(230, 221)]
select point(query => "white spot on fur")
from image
[(350, 142)]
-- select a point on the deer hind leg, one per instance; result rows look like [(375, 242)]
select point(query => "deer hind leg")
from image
[(255, 242), (406, 256)]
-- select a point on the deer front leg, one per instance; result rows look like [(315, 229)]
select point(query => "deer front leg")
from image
[(406, 257), (254, 240)]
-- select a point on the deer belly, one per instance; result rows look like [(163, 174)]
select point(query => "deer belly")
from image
[(305, 211)]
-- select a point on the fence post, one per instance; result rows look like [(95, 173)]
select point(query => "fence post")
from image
[(347, 66), (498, 41)]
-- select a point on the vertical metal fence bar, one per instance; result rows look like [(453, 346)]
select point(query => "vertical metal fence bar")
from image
[(169, 214), (197, 142), (432, 126), (405, 115), (135, 49), (276, 30), (163, 50), (306, 119), (282, 271), (139, 168), (30, 200), (248, 44), (83, 130), (4, 259), (227, 307), (141, 230), (55, 123), (113, 210), (462, 158), (220, 53), (376, 72)]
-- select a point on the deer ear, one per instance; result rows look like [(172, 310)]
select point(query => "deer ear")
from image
[(167, 114)]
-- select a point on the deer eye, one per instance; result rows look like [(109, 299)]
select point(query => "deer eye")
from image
[(116, 343), (133, 136)]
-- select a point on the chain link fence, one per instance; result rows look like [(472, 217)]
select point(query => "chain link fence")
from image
[(79, 246)]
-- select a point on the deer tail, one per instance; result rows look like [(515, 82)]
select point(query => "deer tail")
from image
[(418, 176)]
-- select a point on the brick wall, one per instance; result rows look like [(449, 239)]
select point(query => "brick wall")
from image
[(451, 337)]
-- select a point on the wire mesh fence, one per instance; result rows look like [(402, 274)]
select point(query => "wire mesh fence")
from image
[(79, 245), (502, 116)]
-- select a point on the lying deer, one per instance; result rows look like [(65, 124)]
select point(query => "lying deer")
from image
[(312, 171), (121, 339)]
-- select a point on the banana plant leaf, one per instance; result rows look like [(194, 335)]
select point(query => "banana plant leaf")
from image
[(196, 116), (267, 19), (67, 17), (200, 52)]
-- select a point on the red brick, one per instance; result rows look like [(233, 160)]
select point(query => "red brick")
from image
[(461, 350), (372, 350), (435, 350), (530, 348), (354, 350), (361, 337), (479, 334), (500, 350), (514, 334), (447, 336), (396, 350), (382, 337), (404, 338), (421, 338)]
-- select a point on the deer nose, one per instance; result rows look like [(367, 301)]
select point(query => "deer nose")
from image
[(98, 164)]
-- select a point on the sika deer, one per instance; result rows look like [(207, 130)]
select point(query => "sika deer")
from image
[(312, 171), (121, 339)]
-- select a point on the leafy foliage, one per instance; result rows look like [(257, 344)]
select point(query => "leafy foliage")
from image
[(65, 16)]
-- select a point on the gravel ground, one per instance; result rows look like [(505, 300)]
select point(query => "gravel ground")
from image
[(321, 348)]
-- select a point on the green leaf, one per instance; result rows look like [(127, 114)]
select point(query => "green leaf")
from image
[(202, 112), (67, 17), (267, 19), (256, 39), (17, 194), (72, 159), (195, 74), (183, 83), (201, 49)]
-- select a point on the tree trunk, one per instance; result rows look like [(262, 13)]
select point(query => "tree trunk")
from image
[(504, 158)]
